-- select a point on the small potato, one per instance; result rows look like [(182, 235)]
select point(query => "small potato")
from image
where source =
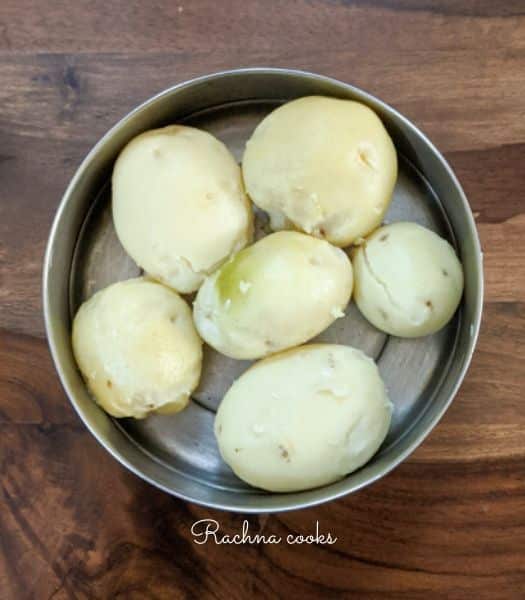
[(303, 418), (408, 280), (280, 292), (179, 205), (137, 348), (323, 166)]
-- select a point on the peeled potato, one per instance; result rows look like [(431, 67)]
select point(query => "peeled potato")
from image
[(303, 418), (322, 165), (137, 348), (408, 280), (179, 205), (281, 291)]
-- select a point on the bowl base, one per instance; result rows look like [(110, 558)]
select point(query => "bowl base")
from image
[(411, 369)]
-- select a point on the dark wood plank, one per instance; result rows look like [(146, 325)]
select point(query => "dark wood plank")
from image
[(31, 393), (477, 108), (30, 26), (450, 521), (101, 532), (50, 142)]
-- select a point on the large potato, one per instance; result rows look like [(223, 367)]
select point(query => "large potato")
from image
[(322, 165), (303, 418), (280, 292), (137, 348), (179, 205), (408, 280)]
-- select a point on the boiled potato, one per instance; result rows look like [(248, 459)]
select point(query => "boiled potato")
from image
[(303, 418), (280, 292), (179, 205), (408, 280), (322, 165), (137, 348)]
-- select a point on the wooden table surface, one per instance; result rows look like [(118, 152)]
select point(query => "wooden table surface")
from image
[(449, 522)]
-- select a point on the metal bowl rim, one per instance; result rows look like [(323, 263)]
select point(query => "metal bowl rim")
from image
[(419, 437)]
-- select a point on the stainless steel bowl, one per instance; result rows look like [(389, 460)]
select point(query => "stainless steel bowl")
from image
[(178, 453)]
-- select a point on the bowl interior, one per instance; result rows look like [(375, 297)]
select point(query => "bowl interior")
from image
[(179, 452)]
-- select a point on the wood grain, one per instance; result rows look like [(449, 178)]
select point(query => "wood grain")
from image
[(450, 521)]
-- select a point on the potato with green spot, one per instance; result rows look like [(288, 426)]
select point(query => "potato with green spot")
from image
[(281, 291)]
